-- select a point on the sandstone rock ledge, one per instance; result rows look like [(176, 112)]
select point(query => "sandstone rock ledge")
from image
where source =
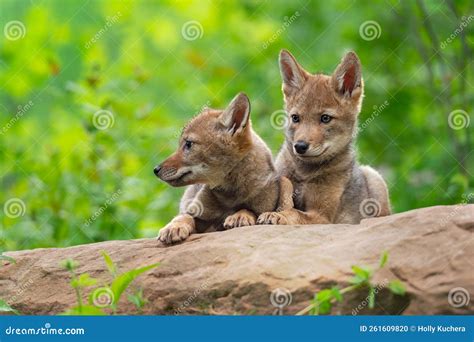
[(234, 272)]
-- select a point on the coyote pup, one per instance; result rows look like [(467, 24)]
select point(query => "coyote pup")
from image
[(229, 170), (318, 153)]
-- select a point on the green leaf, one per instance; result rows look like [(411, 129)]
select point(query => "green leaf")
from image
[(69, 264), (137, 299), (4, 307), (397, 287), (383, 259), (110, 264), (336, 294), (356, 280), (84, 280), (371, 297), (84, 310), (324, 295), (7, 258), (122, 281), (325, 308), (362, 273)]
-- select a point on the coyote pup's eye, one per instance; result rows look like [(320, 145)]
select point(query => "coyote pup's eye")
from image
[(295, 118), (326, 118), (188, 144)]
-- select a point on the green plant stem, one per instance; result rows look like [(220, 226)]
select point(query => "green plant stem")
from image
[(78, 292), (344, 290)]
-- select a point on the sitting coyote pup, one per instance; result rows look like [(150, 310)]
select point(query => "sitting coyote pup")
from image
[(318, 154), (230, 172)]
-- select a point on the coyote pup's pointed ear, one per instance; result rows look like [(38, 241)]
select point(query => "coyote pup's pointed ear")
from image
[(236, 116), (347, 79), (292, 74)]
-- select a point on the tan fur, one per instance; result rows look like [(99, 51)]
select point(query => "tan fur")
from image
[(229, 170), (329, 185)]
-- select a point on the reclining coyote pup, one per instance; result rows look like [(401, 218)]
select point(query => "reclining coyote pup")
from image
[(230, 172), (318, 154)]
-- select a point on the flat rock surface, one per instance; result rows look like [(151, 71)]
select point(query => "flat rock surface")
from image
[(431, 251)]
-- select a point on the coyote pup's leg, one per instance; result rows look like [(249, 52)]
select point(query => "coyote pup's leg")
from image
[(292, 216), (285, 203), (178, 229), (241, 218)]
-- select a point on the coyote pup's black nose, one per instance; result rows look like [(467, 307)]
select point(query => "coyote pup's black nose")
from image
[(157, 170), (301, 147)]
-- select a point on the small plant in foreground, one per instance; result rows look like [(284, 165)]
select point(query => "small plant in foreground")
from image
[(107, 296), (324, 300), (4, 306), (7, 258)]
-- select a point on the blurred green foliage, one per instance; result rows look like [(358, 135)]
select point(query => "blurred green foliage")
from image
[(132, 59)]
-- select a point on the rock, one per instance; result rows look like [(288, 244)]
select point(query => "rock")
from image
[(235, 272)]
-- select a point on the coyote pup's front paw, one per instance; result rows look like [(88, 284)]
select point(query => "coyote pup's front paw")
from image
[(174, 232), (239, 219), (272, 218)]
